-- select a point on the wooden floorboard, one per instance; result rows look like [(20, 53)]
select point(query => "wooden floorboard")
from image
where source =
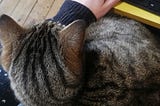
[(8, 6), (29, 12), (22, 10), (39, 12)]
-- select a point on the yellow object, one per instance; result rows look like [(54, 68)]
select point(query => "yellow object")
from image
[(138, 14)]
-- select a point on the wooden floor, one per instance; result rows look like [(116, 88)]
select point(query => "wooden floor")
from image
[(29, 12)]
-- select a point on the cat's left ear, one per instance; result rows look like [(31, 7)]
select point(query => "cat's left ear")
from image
[(72, 39), (9, 34)]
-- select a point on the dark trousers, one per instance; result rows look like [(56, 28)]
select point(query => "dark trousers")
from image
[(7, 97)]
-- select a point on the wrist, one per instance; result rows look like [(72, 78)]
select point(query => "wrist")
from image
[(71, 11)]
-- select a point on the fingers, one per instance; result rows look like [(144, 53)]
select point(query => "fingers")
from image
[(108, 4), (98, 7)]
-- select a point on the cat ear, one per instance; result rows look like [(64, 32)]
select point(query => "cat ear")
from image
[(72, 40), (9, 28), (9, 33)]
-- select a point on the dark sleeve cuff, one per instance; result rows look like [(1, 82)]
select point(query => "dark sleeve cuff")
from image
[(71, 11)]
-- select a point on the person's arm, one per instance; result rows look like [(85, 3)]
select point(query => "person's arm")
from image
[(98, 7), (87, 10)]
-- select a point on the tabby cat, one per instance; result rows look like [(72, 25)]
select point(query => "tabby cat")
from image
[(116, 62)]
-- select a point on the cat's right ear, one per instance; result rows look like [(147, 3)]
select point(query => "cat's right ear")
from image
[(9, 34), (71, 39)]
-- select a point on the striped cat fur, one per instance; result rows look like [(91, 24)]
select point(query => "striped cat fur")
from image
[(115, 62)]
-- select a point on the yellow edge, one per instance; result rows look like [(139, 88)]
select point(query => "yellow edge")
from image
[(138, 14)]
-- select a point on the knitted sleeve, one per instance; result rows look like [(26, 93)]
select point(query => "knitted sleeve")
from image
[(71, 11)]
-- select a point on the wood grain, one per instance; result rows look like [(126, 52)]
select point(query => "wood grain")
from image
[(22, 10), (39, 12), (8, 6), (29, 12)]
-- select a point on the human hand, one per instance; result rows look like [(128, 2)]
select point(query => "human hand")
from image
[(98, 7)]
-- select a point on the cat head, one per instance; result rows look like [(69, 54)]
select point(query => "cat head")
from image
[(71, 39)]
